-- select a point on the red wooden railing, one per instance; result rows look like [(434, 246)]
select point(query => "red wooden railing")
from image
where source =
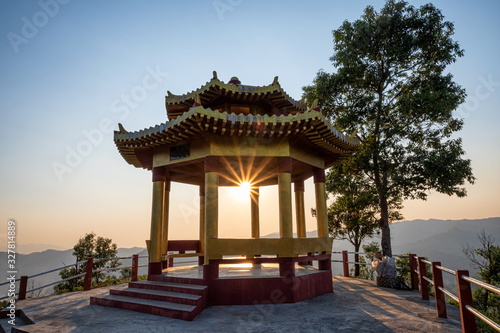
[(87, 284), (418, 270)]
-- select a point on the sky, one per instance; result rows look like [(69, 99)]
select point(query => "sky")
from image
[(70, 71)]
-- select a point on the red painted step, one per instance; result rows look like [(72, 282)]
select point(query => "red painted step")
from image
[(159, 308), (167, 299), (159, 295)]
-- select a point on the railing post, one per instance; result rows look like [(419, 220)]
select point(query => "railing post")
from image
[(424, 286), (378, 255), (23, 286), (465, 298), (135, 264), (345, 261), (437, 278), (413, 273), (87, 284)]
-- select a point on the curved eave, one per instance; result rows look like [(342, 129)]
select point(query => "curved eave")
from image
[(311, 124), (178, 104)]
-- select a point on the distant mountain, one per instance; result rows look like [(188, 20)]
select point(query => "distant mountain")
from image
[(37, 262), (30, 248)]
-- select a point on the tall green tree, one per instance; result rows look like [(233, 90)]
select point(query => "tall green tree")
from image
[(390, 90), (353, 214), (90, 246)]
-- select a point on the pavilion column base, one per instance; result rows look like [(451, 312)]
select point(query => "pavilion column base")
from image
[(326, 264), (210, 272), (287, 268), (155, 268)]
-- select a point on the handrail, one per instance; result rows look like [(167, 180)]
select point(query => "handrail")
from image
[(449, 294), (52, 283), (482, 284), (428, 280), (427, 262), (23, 290), (117, 258), (4, 283), (57, 269), (487, 320), (447, 270)]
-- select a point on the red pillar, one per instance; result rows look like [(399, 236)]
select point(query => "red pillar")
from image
[(437, 277), (424, 286), (413, 273), (465, 298), (287, 268), (135, 266), (87, 284), (23, 286), (345, 262)]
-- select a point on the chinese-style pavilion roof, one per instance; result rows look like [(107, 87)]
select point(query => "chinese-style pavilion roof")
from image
[(310, 126), (215, 92)]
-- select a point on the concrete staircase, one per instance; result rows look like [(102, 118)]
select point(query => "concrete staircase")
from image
[(162, 298)]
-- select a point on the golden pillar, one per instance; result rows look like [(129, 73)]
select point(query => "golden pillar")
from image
[(320, 193), (202, 218), (164, 225), (284, 166), (300, 214), (254, 212), (211, 201), (156, 221)]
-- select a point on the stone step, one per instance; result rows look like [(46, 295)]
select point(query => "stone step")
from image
[(194, 289), (176, 279), (159, 295), (154, 307)]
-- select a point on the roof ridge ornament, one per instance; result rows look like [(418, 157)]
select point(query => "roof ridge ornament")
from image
[(275, 81), (197, 101), (215, 76), (315, 106), (234, 80), (121, 128)]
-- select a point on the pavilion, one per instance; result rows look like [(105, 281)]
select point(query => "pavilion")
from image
[(226, 134)]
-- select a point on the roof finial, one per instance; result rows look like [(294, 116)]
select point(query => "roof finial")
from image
[(314, 105), (121, 129), (215, 76), (275, 81), (197, 101)]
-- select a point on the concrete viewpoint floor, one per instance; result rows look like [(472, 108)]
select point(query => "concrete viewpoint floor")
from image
[(355, 306)]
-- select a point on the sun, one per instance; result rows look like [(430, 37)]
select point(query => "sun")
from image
[(242, 192)]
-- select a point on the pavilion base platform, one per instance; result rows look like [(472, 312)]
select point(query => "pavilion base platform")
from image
[(244, 284)]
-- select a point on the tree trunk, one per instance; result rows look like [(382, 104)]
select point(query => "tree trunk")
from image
[(384, 225), (356, 259)]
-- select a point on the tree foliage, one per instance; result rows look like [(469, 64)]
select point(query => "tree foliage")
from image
[(486, 259), (390, 90), (89, 246)]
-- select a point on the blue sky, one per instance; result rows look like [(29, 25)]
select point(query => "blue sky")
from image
[(71, 68)]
